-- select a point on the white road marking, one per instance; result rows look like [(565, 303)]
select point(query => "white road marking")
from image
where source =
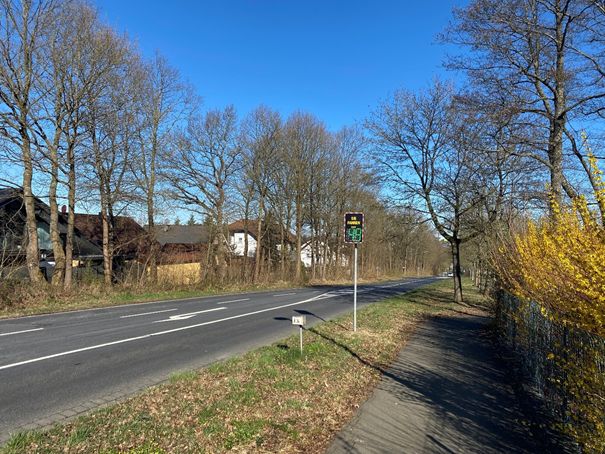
[(285, 294), (350, 292), (148, 313), (178, 317), (160, 333), (399, 284), (19, 332), (174, 300), (324, 296), (233, 301)]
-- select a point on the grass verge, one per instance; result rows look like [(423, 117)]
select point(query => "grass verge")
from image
[(46, 299), (272, 399)]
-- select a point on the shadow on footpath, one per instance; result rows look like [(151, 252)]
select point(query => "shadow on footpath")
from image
[(446, 392)]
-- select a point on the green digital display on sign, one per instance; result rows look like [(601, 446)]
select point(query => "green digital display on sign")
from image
[(353, 227)]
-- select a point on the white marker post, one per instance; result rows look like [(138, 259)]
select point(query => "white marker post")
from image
[(300, 320), (354, 234)]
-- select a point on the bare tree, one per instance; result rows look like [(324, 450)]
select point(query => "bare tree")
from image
[(74, 55), (346, 182), (201, 171), (163, 102), (89, 54), (302, 143), (110, 124), (543, 59), (262, 131), (50, 130), (431, 157), (282, 204), (22, 28)]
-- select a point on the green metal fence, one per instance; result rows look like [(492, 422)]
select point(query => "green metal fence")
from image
[(563, 366)]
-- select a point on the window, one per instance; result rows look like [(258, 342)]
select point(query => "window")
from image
[(44, 237)]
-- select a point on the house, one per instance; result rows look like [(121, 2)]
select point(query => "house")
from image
[(271, 237), (181, 243), (13, 235), (182, 252), (130, 240), (237, 237), (307, 252)]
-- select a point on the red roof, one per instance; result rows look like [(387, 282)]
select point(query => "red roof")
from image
[(240, 226), (130, 238)]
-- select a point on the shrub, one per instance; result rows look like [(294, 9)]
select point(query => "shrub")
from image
[(559, 263)]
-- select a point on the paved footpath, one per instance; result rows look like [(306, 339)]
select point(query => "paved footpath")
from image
[(446, 393)]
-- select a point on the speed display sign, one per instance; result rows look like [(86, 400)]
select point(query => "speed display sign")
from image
[(353, 227)]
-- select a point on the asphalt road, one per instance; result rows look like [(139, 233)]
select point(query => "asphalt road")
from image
[(53, 367)]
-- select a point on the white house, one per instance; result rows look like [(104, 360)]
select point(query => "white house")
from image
[(238, 241), (306, 255), (237, 237)]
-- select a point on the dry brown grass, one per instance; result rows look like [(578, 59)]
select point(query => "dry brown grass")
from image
[(18, 298)]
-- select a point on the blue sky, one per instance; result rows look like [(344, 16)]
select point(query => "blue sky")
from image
[(335, 59)]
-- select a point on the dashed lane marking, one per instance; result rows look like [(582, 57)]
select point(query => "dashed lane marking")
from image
[(148, 313), (21, 332)]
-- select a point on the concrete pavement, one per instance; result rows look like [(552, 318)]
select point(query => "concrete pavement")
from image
[(446, 393)]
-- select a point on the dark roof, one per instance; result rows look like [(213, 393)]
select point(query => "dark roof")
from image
[(6, 194), (9, 194), (130, 238), (12, 199), (181, 234)]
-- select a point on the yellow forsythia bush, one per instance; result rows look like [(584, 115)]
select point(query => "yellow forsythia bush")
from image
[(561, 266), (559, 263)]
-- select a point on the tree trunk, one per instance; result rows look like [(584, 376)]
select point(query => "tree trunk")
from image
[(55, 235), (221, 252), (312, 246), (105, 225), (457, 271), (555, 144), (32, 250), (324, 264), (246, 241), (153, 259), (71, 217), (298, 272), (338, 261), (246, 248), (107, 259), (282, 255), (555, 158), (259, 235)]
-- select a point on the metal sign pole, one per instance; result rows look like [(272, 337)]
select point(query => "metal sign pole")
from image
[(301, 335), (354, 234), (355, 292)]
